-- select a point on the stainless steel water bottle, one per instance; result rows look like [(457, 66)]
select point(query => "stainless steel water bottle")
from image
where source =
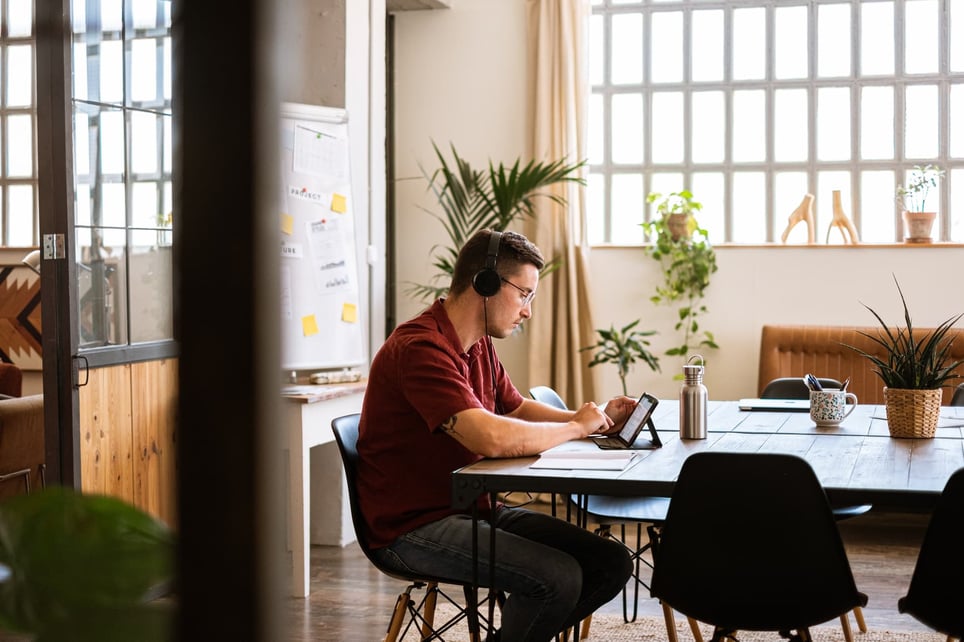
[(692, 401)]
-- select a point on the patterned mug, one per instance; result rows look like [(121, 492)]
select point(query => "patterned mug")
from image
[(830, 407)]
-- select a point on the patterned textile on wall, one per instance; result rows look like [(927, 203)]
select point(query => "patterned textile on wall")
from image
[(20, 338)]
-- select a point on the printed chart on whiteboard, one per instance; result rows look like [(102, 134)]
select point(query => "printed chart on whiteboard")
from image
[(321, 317)]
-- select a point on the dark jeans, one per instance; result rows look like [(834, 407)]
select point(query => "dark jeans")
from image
[(555, 573)]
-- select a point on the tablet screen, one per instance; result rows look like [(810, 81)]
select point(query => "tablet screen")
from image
[(635, 422)]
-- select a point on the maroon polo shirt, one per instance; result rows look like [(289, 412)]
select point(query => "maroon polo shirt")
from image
[(419, 378)]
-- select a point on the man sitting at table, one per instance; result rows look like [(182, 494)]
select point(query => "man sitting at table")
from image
[(438, 399)]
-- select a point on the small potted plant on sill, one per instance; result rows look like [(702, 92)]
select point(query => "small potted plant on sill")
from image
[(914, 369), (912, 199), (688, 260), (623, 347)]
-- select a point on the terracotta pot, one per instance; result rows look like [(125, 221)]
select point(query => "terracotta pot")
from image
[(918, 225), (679, 226)]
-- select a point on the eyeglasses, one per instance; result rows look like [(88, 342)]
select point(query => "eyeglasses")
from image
[(527, 295)]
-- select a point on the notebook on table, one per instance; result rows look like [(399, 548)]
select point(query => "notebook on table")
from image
[(776, 405)]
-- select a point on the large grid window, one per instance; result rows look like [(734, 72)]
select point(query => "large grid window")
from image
[(18, 125), (754, 104), (121, 99)]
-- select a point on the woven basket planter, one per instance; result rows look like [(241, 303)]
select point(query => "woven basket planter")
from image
[(912, 413)]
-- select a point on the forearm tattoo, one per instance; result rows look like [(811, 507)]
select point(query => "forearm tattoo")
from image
[(449, 426)]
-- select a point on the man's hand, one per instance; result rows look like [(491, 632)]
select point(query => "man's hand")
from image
[(591, 419), (618, 410)]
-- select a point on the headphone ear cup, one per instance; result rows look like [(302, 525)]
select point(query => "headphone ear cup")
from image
[(487, 282)]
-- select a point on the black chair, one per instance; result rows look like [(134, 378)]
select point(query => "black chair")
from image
[(958, 398), (750, 543), (935, 596), (421, 614), (609, 513), (795, 388)]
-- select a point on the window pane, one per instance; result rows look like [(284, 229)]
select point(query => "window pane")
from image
[(144, 206), (956, 177), (667, 39), (596, 41), (667, 143), (168, 65), (789, 189), (749, 44), (143, 70), (82, 206), (749, 207), (833, 123), (957, 121), (81, 144), (101, 286), (877, 207), (790, 42), (111, 71), (749, 126), (595, 128), (19, 76), (151, 306), (112, 210), (921, 122), (22, 213), (144, 136), (707, 45), (144, 13), (628, 207), (876, 38), (111, 142), (627, 132), (956, 28), (627, 49), (111, 15), (827, 183), (79, 74), (921, 36), (707, 188), (790, 123), (709, 127), (19, 18), (877, 122), (20, 145), (596, 209), (833, 40)]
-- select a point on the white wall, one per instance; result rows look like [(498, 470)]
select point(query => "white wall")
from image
[(460, 77)]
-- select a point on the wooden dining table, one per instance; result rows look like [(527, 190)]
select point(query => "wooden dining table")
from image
[(856, 462)]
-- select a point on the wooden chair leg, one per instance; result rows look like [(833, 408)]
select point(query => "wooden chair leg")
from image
[(859, 616), (428, 609), (584, 631), (845, 625), (398, 615), (670, 620), (695, 630)]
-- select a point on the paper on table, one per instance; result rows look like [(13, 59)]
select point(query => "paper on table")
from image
[(603, 460)]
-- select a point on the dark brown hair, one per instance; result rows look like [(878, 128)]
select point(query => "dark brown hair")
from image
[(515, 251)]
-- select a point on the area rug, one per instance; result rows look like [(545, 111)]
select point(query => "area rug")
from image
[(611, 628)]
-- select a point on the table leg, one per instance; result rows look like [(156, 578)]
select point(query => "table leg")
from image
[(299, 510)]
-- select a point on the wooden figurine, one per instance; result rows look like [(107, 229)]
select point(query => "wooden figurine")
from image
[(842, 221), (804, 212)]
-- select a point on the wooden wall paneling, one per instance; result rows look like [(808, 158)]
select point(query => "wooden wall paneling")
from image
[(154, 426), (106, 458)]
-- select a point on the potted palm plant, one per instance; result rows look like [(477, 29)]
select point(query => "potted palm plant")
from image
[(472, 200), (912, 199), (688, 260), (914, 369), (623, 347)]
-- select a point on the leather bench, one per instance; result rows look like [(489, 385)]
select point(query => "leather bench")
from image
[(794, 350)]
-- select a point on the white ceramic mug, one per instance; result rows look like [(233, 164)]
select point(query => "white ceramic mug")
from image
[(830, 407)]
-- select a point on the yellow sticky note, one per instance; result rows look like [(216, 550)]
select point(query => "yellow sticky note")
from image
[(349, 313), (309, 326), (338, 203), (287, 223)]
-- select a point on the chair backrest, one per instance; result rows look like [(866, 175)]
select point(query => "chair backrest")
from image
[(346, 436), (11, 380), (794, 388), (547, 395), (936, 593), (750, 543), (958, 398)]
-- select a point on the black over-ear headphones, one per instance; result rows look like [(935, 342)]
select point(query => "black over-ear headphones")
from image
[(487, 281)]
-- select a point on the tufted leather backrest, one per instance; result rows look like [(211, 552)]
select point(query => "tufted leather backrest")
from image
[(794, 350)]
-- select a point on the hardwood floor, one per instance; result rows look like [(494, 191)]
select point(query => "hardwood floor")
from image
[(351, 602)]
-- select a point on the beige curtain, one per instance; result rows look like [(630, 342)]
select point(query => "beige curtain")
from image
[(557, 57)]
